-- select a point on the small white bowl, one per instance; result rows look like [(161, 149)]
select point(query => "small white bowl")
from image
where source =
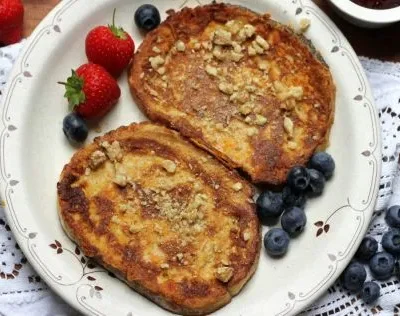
[(364, 17)]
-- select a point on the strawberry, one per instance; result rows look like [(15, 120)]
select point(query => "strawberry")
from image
[(11, 20), (110, 47), (91, 91)]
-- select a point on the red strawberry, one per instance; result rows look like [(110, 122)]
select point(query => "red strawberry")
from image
[(91, 91), (11, 36), (11, 20), (111, 47)]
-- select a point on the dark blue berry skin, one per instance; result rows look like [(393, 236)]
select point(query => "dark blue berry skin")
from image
[(317, 183), (298, 179), (382, 265), (391, 241), (293, 221), (147, 17), (292, 198), (393, 216), (354, 276), (370, 292), (324, 163), (269, 205), (75, 128), (368, 247), (276, 242)]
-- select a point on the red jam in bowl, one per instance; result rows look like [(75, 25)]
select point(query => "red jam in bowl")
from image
[(378, 4)]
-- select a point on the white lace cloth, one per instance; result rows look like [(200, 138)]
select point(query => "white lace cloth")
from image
[(23, 293)]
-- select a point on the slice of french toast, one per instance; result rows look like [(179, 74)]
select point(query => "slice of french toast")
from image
[(249, 90), (163, 215)]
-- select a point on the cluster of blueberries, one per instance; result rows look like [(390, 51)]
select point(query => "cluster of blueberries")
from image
[(302, 182), (381, 264)]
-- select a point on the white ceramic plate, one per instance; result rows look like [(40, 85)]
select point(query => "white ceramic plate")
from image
[(34, 150)]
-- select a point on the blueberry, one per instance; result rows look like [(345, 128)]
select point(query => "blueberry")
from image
[(317, 182), (269, 204), (370, 292), (276, 242), (298, 178), (354, 276), (293, 198), (294, 220), (147, 17), (368, 247), (324, 163), (393, 216), (75, 128), (391, 241), (382, 265)]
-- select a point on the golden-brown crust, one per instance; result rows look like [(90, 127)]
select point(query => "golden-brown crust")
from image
[(185, 97), (173, 264)]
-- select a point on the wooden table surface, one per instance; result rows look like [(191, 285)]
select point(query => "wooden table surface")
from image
[(383, 44)]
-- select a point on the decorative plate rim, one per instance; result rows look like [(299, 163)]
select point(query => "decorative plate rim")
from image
[(297, 301)]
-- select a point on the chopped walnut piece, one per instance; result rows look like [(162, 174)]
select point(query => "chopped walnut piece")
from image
[(226, 88), (260, 120), (236, 47), (288, 126), (246, 235), (237, 186), (161, 70), (156, 61), (246, 108), (304, 25), (180, 46), (292, 145), (97, 158), (224, 274), (262, 42), (246, 32), (156, 49), (164, 266), (222, 37), (251, 51), (179, 257), (133, 229), (241, 97), (121, 178), (212, 71), (114, 151), (169, 166), (264, 65), (233, 26)]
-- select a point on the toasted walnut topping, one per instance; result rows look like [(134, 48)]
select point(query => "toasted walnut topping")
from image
[(164, 78), (207, 45), (246, 108), (241, 96), (236, 47), (247, 119), (164, 266), (288, 125), (251, 51), (133, 229), (169, 166), (285, 92), (262, 42), (114, 150), (250, 88), (156, 50), (237, 186), (88, 171), (304, 25), (222, 37), (226, 88), (207, 57), (212, 71), (252, 131), (258, 49), (115, 220), (234, 56), (246, 235), (225, 262), (217, 52), (224, 274), (97, 158), (180, 46), (246, 32), (264, 65), (292, 145), (161, 70), (233, 26), (260, 120), (197, 46), (156, 61), (179, 257), (219, 126)]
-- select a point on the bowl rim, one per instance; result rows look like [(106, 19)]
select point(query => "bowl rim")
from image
[(368, 15)]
